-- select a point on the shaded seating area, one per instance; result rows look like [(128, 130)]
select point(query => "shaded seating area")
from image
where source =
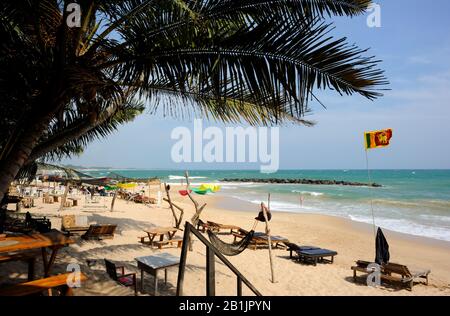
[(99, 232), (261, 239), (28, 247), (51, 285), (125, 279), (310, 254), (74, 224), (393, 272)]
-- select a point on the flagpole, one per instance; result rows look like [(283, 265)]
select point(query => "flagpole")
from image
[(371, 193)]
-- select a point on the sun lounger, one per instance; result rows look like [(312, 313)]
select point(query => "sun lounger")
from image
[(261, 239), (218, 227), (316, 255), (394, 272), (291, 247), (99, 232), (398, 272)]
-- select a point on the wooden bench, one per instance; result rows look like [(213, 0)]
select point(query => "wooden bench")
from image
[(39, 286), (161, 243)]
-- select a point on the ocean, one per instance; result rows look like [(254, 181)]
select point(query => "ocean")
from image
[(415, 202)]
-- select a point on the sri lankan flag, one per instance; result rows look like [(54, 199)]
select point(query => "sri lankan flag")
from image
[(378, 139)]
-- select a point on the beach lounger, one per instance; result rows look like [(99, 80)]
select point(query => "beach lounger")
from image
[(261, 239), (74, 224), (291, 247), (394, 272), (316, 255), (401, 273), (218, 227), (99, 232), (128, 279)]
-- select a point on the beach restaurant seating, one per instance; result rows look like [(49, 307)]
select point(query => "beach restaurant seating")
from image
[(393, 272), (128, 279), (74, 224), (99, 232), (261, 239), (57, 282)]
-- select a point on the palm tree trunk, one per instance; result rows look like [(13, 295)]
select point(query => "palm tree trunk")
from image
[(10, 166)]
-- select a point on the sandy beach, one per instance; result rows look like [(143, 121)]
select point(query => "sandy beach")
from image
[(353, 241)]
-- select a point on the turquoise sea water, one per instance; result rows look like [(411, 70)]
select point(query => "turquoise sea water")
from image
[(416, 202)]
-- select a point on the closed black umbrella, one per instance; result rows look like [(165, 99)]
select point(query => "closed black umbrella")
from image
[(382, 255)]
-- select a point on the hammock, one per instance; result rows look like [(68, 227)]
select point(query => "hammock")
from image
[(230, 249)]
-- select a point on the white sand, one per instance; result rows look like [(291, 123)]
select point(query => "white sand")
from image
[(351, 240)]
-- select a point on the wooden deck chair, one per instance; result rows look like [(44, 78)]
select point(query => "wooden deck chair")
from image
[(261, 239), (401, 273), (218, 227), (99, 232), (394, 272)]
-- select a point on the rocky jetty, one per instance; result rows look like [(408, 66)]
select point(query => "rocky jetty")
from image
[(305, 181)]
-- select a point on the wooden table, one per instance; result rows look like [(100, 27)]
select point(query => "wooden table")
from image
[(55, 197), (160, 232), (151, 264), (74, 201), (53, 240)]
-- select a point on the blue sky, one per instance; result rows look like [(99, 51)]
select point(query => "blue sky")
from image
[(414, 44)]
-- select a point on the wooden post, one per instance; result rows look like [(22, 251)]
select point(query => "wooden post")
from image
[(172, 205), (269, 240), (113, 200), (63, 199), (210, 273), (239, 286), (182, 266), (198, 209)]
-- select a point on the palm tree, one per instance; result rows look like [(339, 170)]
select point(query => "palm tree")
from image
[(261, 61)]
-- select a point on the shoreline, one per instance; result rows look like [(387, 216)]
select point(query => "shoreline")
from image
[(236, 205)]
